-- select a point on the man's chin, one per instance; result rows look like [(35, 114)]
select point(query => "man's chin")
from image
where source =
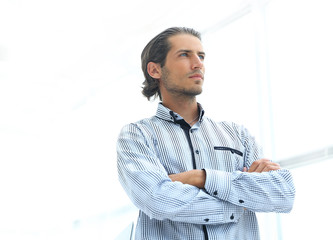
[(193, 92)]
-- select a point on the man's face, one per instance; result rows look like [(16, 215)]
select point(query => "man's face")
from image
[(183, 72)]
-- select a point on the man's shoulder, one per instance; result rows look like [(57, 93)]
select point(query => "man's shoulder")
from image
[(230, 127), (141, 125), (225, 123), (143, 121)]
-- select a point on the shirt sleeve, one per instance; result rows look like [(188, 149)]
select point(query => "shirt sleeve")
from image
[(147, 184), (259, 192), (271, 191)]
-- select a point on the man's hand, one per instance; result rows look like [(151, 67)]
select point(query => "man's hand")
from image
[(193, 177), (262, 165)]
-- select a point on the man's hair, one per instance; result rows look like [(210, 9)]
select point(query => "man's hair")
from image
[(156, 51)]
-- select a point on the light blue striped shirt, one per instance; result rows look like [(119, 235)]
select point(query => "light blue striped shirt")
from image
[(151, 149)]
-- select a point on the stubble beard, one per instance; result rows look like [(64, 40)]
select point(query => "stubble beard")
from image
[(177, 90)]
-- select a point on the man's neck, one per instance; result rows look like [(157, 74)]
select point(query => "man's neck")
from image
[(187, 108)]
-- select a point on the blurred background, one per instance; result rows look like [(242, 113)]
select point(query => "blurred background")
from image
[(70, 78)]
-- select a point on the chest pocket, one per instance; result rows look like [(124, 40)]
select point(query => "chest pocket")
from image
[(229, 159)]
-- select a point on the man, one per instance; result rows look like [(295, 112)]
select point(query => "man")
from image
[(192, 177)]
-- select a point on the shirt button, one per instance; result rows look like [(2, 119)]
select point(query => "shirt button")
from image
[(206, 220), (215, 193), (197, 151), (241, 201)]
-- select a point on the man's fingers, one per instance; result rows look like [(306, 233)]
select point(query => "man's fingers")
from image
[(263, 165), (257, 165), (270, 168)]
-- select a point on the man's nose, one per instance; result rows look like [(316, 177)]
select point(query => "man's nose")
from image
[(197, 62)]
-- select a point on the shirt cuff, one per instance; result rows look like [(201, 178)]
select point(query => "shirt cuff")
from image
[(218, 184)]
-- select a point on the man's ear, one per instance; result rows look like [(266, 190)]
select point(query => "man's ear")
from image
[(154, 70)]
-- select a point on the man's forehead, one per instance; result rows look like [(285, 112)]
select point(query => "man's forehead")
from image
[(185, 42)]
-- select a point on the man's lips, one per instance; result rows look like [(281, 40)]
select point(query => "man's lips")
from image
[(197, 76)]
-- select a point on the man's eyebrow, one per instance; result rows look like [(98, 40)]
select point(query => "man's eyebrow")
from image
[(189, 51)]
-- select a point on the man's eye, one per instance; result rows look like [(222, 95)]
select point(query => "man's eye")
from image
[(183, 55), (202, 57)]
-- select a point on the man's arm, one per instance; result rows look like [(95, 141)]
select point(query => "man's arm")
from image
[(148, 185), (255, 191), (260, 189), (193, 177), (198, 177)]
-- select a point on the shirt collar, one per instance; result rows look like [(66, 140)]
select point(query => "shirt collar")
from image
[(168, 115)]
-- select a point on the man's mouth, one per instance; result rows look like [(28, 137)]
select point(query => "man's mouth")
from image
[(197, 76)]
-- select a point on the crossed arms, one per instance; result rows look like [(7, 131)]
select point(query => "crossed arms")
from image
[(198, 177), (197, 195)]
